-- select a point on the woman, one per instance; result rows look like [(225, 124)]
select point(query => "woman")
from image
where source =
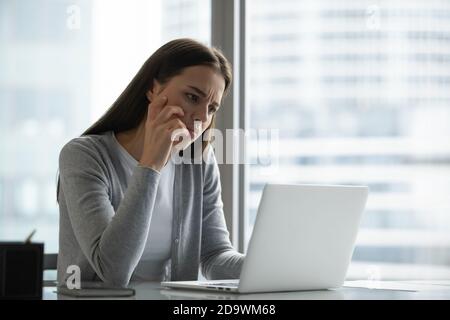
[(127, 210)]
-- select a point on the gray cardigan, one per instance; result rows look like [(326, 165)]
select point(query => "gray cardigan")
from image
[(104, 221)]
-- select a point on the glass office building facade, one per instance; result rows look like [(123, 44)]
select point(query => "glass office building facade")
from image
[(359, 91), (62, 64)]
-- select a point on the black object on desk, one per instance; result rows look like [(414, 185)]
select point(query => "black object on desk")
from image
[(21, 270), (96, 292)]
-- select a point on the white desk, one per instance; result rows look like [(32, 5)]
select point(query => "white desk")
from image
[(405, 290)]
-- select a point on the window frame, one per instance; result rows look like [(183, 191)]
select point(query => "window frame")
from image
[(228, 26)]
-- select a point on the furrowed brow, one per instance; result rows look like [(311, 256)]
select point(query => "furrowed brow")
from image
[(200, 92)]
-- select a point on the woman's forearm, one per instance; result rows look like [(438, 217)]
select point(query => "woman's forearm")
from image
[(113, 242)]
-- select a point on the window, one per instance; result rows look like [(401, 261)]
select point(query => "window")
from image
[(367, 81), (359, 91), (63, 63)]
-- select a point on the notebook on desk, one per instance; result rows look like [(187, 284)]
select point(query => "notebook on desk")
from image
[(96, 290)]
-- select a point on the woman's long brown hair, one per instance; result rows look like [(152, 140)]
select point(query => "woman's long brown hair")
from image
[(168, 61)]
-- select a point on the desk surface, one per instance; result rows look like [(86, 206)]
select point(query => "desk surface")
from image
[(352, 290)]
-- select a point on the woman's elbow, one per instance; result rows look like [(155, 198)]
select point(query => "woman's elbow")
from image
[(114, 279), (112, 275), (117, 282)]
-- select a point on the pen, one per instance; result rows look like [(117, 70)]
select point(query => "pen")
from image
[(28, 239)]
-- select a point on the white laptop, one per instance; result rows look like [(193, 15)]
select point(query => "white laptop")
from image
[(303, 239)]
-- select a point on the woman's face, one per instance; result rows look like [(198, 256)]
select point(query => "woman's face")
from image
[(198, 91)]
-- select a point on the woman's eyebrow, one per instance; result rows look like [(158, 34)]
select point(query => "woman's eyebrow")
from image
[(200, 92)]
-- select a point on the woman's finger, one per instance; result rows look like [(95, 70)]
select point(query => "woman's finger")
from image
[(175, 123), (168, 112), (155, 107), (176, 128)]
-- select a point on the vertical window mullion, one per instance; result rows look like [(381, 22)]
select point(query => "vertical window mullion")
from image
[(227, 34)]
